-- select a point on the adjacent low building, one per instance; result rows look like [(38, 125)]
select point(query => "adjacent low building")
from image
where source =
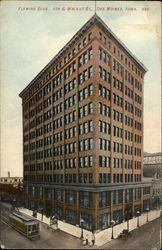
[(83, 132), (152, 164), (11, 188)]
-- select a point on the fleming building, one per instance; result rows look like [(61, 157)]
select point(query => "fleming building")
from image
[(83, 132)]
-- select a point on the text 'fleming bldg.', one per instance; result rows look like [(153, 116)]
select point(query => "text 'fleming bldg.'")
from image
[(83, 132)]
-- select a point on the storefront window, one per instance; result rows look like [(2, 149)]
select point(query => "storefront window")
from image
[(48, 210), (59, 213), (146, 190), (70, 196), (128, 213), (58, 194), (137, 208), (86, 199), (40, 191), (70, 216), (146, 204), (87, 221), (39, 207), (128, 195), (32, 190), (26, 190), (104, 199), (32, 205), (104, 221), (118, 216), (137, 193), (117, 196), (49, 194)]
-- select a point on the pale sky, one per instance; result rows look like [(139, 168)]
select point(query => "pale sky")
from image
[(31, 38)]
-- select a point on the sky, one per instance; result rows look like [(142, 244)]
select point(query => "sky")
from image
[(31, 38)]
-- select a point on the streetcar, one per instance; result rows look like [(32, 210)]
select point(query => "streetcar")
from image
[(25, 225)]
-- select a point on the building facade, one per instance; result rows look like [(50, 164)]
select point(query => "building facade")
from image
[(11, 188), (152, 170), (83, 132), (152, 164)]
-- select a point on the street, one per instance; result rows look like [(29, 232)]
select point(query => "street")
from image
[(144, 237)]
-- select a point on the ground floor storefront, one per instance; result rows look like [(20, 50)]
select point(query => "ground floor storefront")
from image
[(91, 209)]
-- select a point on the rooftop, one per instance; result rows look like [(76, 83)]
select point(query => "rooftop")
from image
[(146, 154)]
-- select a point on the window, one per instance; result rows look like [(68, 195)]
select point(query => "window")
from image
[(104, 75), (100, 53), (146, 190), (70, 196), (90, 88), (84, 42), (59, 212), (85, 199), (80, 61), (80, 162), (90, 126), (91, 143), (85, 93), (90, 108), (128, 195), (85, 58), (85, 75), (70, 216), (87, 221), (58, 194), (32, 190), (69, 56), (104, 57), (79, 46), (104, 221), (74, 52), (90, 36), (104, 199), (118, 216), (90, 54), (91, 161), (117, 196), (90, 71), (100, 35), (137, 193), (80, 78), (85, 110), (100, 71)]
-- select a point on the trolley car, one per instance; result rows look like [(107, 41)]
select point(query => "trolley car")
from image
[(25, 225)]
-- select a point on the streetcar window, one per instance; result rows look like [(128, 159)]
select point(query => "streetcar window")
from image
[(34, 228)]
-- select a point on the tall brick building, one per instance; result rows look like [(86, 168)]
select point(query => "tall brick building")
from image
[(83, 132)]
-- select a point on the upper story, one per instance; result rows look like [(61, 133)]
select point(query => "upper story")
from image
[(79, 58)]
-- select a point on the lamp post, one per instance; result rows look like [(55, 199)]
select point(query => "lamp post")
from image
[(138, 213), (128, 225), (13, 204), (112, 225), (147, 210), (81, 223)]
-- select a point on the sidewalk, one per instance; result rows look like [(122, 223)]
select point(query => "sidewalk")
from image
[(101, 237), (63, 226)]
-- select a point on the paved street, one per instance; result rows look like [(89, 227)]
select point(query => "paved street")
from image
[(48, 239), (145, 237)]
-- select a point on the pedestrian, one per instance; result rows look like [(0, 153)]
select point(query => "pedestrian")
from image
[(86, 239), (93, 239)]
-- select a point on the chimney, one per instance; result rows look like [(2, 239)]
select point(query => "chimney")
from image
[(8, 174)]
